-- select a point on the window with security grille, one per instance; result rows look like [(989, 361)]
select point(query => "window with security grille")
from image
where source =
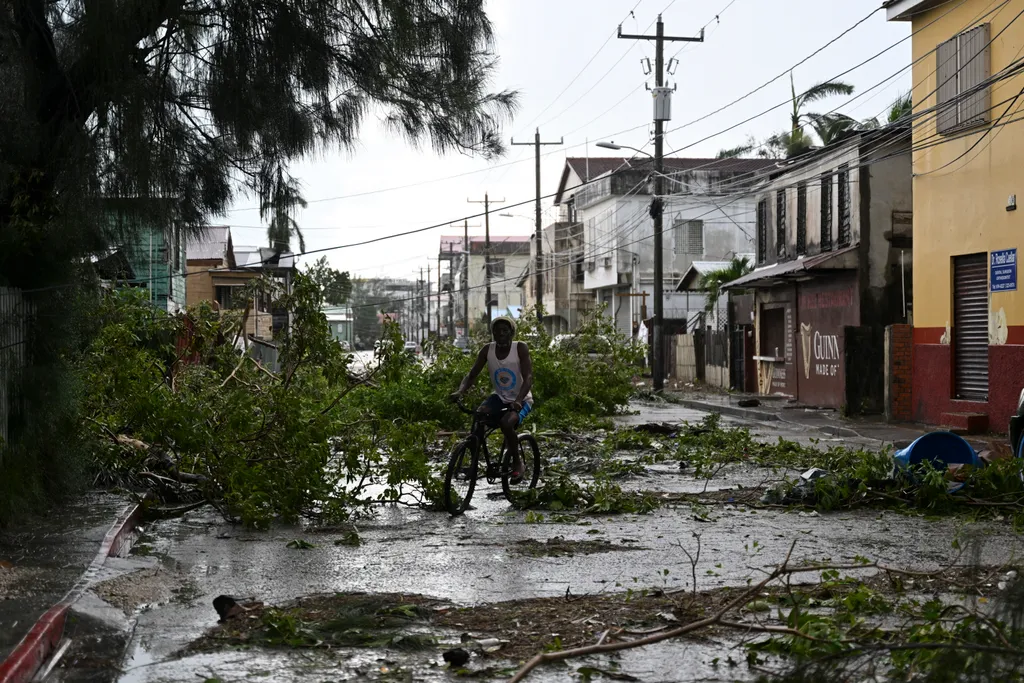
[(762, 231), (496, 267), (780, 223), (826, 213), (962, 69), (801, 218), (689, 237), (845, 236)]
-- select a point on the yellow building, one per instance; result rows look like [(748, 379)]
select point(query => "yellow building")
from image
[(968, 310)]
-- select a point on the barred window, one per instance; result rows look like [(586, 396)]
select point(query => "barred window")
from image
[(826, 213), (688, 237), (780, 223), (762, 231), (845, 231), (801, 218)]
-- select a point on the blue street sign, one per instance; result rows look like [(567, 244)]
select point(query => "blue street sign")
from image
[(1004, 270)]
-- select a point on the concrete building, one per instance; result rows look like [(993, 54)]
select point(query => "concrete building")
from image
[(223, 274), (833, 253), (565, 298), (507, 255), (704, 218), (968, 325)]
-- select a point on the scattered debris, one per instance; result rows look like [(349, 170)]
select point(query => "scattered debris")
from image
[(560, 547), (456, 657)]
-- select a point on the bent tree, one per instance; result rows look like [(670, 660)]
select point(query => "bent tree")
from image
[(117, 114), (199, 100)]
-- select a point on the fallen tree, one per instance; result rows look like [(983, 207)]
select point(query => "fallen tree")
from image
[(172, 402)]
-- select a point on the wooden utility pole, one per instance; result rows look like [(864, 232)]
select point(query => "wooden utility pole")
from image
[(487, 250), (662, 113), (539, 259)]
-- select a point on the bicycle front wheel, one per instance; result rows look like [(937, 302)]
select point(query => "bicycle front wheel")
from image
[(460, 479), (530, 453)]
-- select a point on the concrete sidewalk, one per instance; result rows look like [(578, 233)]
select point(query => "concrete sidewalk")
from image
[(825, 421), (43, 559)]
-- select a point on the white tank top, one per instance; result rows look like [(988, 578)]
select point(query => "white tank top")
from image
[(506, 375)]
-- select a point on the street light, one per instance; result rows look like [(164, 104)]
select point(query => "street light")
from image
[(613, 146)]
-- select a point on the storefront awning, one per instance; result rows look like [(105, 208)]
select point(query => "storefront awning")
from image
[(787, 271)]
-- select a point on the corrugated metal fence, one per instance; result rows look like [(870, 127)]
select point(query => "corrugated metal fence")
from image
[(14, 324)]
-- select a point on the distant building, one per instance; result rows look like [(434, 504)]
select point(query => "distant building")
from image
[(220, 273), (706, 218), (565, 299), (341, 324), (833, 248)]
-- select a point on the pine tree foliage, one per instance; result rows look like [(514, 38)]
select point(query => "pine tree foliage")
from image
[(194, 102)]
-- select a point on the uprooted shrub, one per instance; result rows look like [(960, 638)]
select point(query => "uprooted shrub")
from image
[(173, 400)]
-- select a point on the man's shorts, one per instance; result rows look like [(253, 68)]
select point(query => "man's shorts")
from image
[(494, 405)]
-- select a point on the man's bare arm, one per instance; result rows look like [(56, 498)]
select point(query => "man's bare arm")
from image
[(468, 380)]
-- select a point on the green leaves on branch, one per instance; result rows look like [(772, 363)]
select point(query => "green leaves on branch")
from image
[(171, 398)]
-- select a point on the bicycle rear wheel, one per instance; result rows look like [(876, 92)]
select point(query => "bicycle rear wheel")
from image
[(460, 479), (530, 453)]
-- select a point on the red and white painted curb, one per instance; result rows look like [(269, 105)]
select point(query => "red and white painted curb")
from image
[(42, 639)]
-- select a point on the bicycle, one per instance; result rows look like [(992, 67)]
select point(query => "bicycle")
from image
[(463, 465)]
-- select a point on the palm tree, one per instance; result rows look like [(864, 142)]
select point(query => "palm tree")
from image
[(815, 93), (713, 280), (279, 205), (901, 109)]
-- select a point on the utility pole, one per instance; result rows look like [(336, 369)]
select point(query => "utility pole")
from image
[(662, 113), (539, 259), (487, 250), (419, 305), (438, 294), (451, 294), (426, 302)]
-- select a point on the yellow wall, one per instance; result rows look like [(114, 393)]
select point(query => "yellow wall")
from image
[(960, 208)]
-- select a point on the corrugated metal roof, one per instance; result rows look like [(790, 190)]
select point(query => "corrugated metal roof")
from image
[(768, 276), (588, 169), (696, 270), (211, 245)]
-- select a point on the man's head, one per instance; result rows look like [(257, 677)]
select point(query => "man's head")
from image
[(503, 329)]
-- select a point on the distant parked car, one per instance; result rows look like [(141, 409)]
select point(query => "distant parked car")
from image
[(412, 348), (462, 343)]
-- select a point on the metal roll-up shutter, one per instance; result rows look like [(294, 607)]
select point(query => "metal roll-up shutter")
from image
[(970, 326)]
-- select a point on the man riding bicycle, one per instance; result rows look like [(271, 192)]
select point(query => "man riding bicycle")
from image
[(511, 372)]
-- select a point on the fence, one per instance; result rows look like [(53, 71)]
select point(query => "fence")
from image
[(14, 322)]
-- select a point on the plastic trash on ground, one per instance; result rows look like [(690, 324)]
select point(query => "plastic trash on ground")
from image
[(941, 449)]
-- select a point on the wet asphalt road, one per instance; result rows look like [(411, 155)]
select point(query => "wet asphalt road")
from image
[(470, 560)]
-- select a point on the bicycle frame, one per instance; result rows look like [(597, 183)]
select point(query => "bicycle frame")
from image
[(481, 430)]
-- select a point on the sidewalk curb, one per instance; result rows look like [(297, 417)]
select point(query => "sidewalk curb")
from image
[(733, 411), (41, 640)]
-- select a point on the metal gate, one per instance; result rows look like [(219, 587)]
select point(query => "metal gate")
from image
[(737, 350), (970, 326)]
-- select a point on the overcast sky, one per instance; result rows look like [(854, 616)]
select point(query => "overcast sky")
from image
[(542, 46)]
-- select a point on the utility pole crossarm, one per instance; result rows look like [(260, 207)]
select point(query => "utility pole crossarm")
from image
[(668, 39), (539, 259)]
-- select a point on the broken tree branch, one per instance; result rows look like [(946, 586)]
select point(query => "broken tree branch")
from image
[(743, 598)]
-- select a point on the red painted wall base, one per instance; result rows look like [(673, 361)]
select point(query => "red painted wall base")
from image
[(933, 384)]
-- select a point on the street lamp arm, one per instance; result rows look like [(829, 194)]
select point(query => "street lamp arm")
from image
[(613, 146)]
